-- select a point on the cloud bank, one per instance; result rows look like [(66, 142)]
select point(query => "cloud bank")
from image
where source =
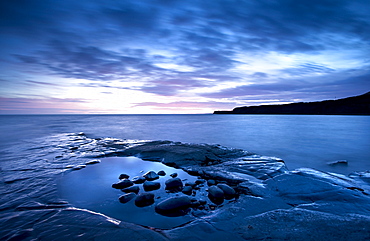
[(163, 52)]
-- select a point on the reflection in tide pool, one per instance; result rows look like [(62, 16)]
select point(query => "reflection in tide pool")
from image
[(91, 188)]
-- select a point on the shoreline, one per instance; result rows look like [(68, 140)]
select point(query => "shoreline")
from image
[(318, 204)]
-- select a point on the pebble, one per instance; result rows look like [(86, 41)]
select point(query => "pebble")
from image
[(123, 184), (161, 173), (127, 197), (144, 199), (134, 189), (124, 176), (150, 186), (138, 180), (151, 175)]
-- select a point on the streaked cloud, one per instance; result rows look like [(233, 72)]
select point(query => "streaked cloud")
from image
[(182, 52)]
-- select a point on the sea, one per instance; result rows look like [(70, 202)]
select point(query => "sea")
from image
[(313, 141), (71, 161)]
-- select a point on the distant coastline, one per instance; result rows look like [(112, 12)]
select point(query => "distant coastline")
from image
[(356, 105)]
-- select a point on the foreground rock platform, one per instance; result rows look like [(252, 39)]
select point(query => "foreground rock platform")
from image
[(274, 203)]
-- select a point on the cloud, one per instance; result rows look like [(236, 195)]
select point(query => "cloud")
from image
[(171, 48), (41, 105), (188, 104)]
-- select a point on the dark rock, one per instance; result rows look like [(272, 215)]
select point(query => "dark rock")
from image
[(173, 175), (124, 176), (92, 162), (200, 181), (174, 206), (127, 197), (150, 176), (187, 190), (216, 195), (122, 184), (150, 186), (161, 173), (134, 189), (144, 199), (191, 184), (211, 182), (338, 163), (138, 180), (203, 202), (229, 192), (174, 184), (195, 204)]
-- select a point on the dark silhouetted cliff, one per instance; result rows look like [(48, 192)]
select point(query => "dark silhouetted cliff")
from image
[(357, 105)]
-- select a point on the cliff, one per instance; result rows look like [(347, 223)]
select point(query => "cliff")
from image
[(357, 105)]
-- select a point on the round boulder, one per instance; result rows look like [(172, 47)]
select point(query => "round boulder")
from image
[(216, 195), (187, 190), (150, 186), (122, 184), (200, 181), (124, 176), (138, 180), (173, 175), (161, 173), (174, 206), (174, 184), (127, 197), (211, 182), (144, 199), (151, 175), (134, 189), (192, 184), (229, 192)]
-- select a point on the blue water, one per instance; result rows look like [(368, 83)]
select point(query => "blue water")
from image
[(300, 140)]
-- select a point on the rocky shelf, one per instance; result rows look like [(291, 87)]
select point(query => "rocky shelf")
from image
[(273, 203)]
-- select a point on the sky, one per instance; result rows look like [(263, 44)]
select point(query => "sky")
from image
[(179, 57)]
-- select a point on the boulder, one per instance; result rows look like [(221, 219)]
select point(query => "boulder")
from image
[(216, 195), (173, 175), (138, 180), (124, 176), (211, 182), (122, 184), (187, 190), (174, 206), (161, 173), (144, 199), (134, 189), (150, 176), (229, 192), (200, 181), (191, 184), (127, 197), (150, 186), (338, 163), (174, 184)]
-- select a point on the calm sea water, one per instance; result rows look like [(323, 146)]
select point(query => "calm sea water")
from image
[(300, 140)]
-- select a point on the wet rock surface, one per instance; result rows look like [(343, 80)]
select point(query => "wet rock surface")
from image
[(273, 203), (134, 189), (144, 199), (122, 184), (151, 175), (174, 184), (174, 206), (127, 197), (150, 186)]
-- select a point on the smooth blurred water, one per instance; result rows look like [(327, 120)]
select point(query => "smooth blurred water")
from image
[(300, 140)]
